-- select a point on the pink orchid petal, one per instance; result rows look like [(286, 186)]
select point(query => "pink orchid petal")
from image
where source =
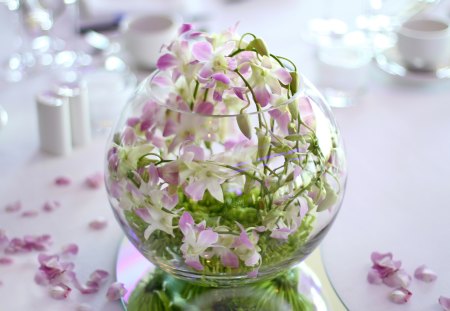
[(206, 238), (129, 136), (98, 224), (166, 61), (62, 181), (399, 278), (60, 291), (116, 291), (170, 201), (423, 273), (5, 261), (281, 234), (253, 274), (186, 222), (243, 239), (94, 181), (252, 260), (29, 214), (262, 95), (195, 190), (133, 121), (202, 51), (229, 259), (69, 249), (169, 173), (13, 207), (170, 128), (445, 303), (400, 296), (283, 75), (232, 64), (205, 108), (185, 28), (194, 262), (161, 81), (199, 153), (50, 206), (373, 277), (221, 77)]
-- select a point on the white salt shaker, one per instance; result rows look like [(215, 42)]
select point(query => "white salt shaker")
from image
[(77, 96), (54, 123)]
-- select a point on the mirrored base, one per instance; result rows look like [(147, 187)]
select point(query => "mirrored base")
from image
[(149, 288)]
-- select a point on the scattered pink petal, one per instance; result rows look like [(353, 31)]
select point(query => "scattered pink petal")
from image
[(384, 263), (53, 271), (50, 206), (399, 278), (60, 291), (94, 181), (29, 214), (423, 273), (400, 296), (93, 284), (116, 291), (27, 244), (69, 249), (5, 261), (445, 303), (98, 224), (62, 181), (373, 277), (1, 283), (13, 207)]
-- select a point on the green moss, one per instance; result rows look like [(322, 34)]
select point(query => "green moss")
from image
[(160, 291)]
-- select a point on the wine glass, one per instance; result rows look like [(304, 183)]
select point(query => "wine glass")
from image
[(39, 46)]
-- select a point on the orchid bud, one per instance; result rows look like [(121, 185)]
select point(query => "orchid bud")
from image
[(259, 46), (294, 82), (244, 125), (329, 200), (263, 145), (249, 184), (292, 128), (293, 109)]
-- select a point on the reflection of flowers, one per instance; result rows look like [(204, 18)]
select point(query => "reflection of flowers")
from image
[(228, 161)]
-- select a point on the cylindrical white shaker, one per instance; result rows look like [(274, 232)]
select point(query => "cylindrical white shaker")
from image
[(54, 123), (77, 96)]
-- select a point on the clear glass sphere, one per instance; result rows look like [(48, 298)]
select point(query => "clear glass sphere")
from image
[(225, 198)]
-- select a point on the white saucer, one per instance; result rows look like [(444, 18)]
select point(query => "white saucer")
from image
[(391, 62)]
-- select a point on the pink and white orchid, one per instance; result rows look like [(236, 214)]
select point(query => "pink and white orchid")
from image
[(197, 239)]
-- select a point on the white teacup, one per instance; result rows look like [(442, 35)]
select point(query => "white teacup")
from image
[(424, 44), (143, 36)]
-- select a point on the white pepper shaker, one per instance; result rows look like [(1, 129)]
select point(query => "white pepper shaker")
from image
[(77, 96), (54, 123)]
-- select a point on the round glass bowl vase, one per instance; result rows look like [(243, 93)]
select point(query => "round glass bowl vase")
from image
[(224, 200)]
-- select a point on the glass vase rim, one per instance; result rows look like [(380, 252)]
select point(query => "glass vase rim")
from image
[(300, 91)]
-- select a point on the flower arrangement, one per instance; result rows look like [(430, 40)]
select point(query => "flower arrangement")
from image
[(224, 164)]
